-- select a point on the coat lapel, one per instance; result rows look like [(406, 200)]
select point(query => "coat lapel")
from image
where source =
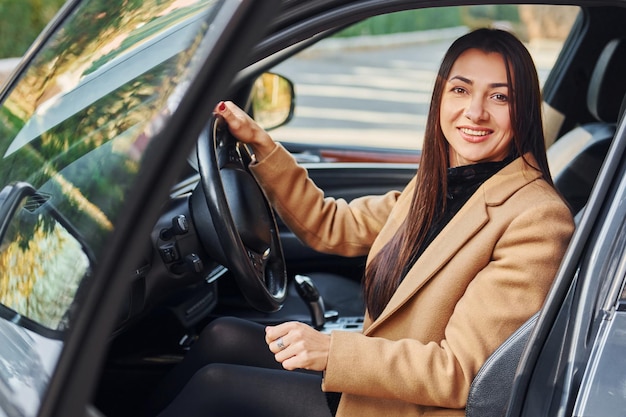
[(472, 217)]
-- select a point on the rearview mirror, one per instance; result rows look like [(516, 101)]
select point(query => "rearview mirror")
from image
[(272, 100)]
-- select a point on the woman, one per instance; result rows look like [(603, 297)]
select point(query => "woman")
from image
[(457, 261)]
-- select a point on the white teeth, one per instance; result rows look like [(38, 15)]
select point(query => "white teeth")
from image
[(474, 132)]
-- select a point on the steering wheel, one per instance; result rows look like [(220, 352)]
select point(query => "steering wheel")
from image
[(245, 235)]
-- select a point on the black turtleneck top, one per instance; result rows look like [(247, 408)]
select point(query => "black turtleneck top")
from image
[(463, 181)]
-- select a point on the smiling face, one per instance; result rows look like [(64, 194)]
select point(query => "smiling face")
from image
[(475, 118)]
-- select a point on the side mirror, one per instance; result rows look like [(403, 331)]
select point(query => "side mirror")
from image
[(272, 100), (43, 260)]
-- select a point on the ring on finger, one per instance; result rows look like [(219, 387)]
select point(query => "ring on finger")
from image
[(280, 343)]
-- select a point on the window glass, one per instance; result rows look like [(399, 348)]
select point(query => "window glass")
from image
[(371, 84), (77, 124)]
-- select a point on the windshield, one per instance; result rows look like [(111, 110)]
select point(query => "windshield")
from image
[(75, 128)]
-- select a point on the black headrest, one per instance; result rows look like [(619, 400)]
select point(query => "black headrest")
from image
[(608, 82)]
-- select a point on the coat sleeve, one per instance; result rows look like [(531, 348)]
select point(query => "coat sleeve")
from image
[(509, 289), (326, 224)]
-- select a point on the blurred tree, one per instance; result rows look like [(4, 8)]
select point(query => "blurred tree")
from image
[(21, 21), (548, 22), (406, 21)]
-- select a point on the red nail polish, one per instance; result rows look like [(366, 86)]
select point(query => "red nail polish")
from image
[(222, 106)]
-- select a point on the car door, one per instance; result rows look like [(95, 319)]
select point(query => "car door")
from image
[(96, 125)]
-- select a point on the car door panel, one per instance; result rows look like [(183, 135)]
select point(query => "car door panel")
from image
[(305, 152)]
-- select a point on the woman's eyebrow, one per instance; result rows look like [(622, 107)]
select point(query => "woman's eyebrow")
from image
[(470, 82), (462, 79)]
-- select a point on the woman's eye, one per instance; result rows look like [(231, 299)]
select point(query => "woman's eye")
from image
[(500, 97), (458, 90)]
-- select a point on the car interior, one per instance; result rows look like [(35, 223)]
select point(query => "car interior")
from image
[(157, 328)]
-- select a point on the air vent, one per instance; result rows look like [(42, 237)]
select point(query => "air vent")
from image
[(36, 200)]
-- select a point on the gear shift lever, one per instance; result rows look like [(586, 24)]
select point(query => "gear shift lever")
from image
[(312, 298)]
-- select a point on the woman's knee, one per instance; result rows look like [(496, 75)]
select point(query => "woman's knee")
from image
[(230, 340), (230, 326), (212, 375)]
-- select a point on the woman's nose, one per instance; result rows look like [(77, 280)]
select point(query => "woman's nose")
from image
[(476, 111)]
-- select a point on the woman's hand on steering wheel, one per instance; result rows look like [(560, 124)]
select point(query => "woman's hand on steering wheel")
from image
[(245, 129)]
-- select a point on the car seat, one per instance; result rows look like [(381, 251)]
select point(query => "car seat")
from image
[(575, 159)]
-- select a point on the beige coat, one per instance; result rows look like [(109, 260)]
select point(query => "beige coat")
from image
[(486, 273)]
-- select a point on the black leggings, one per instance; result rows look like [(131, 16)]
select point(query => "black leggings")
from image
[(230, 371)]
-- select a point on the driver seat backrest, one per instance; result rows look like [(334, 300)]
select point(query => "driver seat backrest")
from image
[(492, 385), (575, 159)]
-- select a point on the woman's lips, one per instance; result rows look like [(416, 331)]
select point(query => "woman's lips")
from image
[(475, 135)]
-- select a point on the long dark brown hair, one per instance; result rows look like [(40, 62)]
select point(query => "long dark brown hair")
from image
[(384, 272)]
